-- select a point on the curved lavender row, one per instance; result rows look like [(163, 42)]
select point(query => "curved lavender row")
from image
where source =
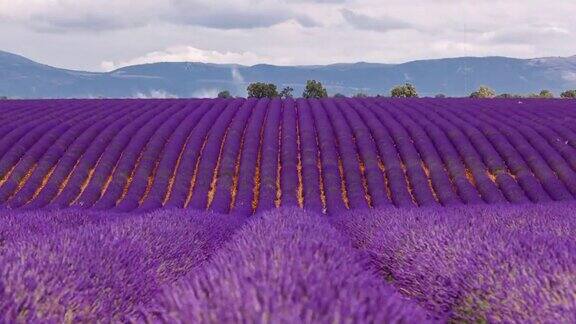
[(441, 162), (47, 163), (230, 156), (543, 143), (101, 272), (559, 136), (208, 166), (538, 164), (375, 180), (334, 184), (139, 180), (469, 155), (105, 168), (288, 267), (270, 152), (358, 195), (177, 195), (77, 178), (130, 158), (172, 155), (476, 264), (312, 186), (30, 112), (491, 158), (410, 158), (443, 174), (289, 155), (21, 115), (57, 180), (452, 162), (14, 144), (391, 161), (242, 202), (28, 156), (515, 164)]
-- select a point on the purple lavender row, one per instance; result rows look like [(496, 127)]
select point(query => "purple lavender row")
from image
[(489, 156), (230, 153), (449, 156), (85, 171), (287, 267), (22, 115), (558, 136), (118, 159), (358, 196), (336, 198), (441, 163), (28, 111), (179, 192), (310, 156), (443, 184), (469, 155), (270, 153), (29, 156), (131, 157), (543, 143), (396, 180), (143, 170), (47, 162), (534, 161), (289, 178), (417, 180), (367, 151), (14, 144), (62, 170), (515, 165), (170, 157), (208, 166), (249, 159), (476, 264), (103, 271)]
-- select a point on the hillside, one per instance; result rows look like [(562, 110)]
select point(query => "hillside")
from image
[(22, 78)]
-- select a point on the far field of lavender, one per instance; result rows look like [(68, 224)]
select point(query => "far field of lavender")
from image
[(332, 210)]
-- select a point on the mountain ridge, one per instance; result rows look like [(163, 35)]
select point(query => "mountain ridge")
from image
[(21, 77)]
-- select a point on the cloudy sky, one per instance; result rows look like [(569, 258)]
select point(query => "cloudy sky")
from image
[(99, 35)]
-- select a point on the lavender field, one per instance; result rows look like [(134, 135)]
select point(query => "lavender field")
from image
[(340, 210)]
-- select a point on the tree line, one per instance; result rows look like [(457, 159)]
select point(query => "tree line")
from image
[(315, 89)]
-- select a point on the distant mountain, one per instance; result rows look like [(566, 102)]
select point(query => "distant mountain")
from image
[(23, 78)]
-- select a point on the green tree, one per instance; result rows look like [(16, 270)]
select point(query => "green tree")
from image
[(483, 92), (404, 91), (314, 89), (569, 94), (224, 94), (508, 96), (286, 92), (262, 90), (339, 95), (546, 94), (360, 95)]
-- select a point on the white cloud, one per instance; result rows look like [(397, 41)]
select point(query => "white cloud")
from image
[(158, 94), (189, 54), (205, 93), (106, 34)]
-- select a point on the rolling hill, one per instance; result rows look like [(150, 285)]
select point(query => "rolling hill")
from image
[(24, 78)]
